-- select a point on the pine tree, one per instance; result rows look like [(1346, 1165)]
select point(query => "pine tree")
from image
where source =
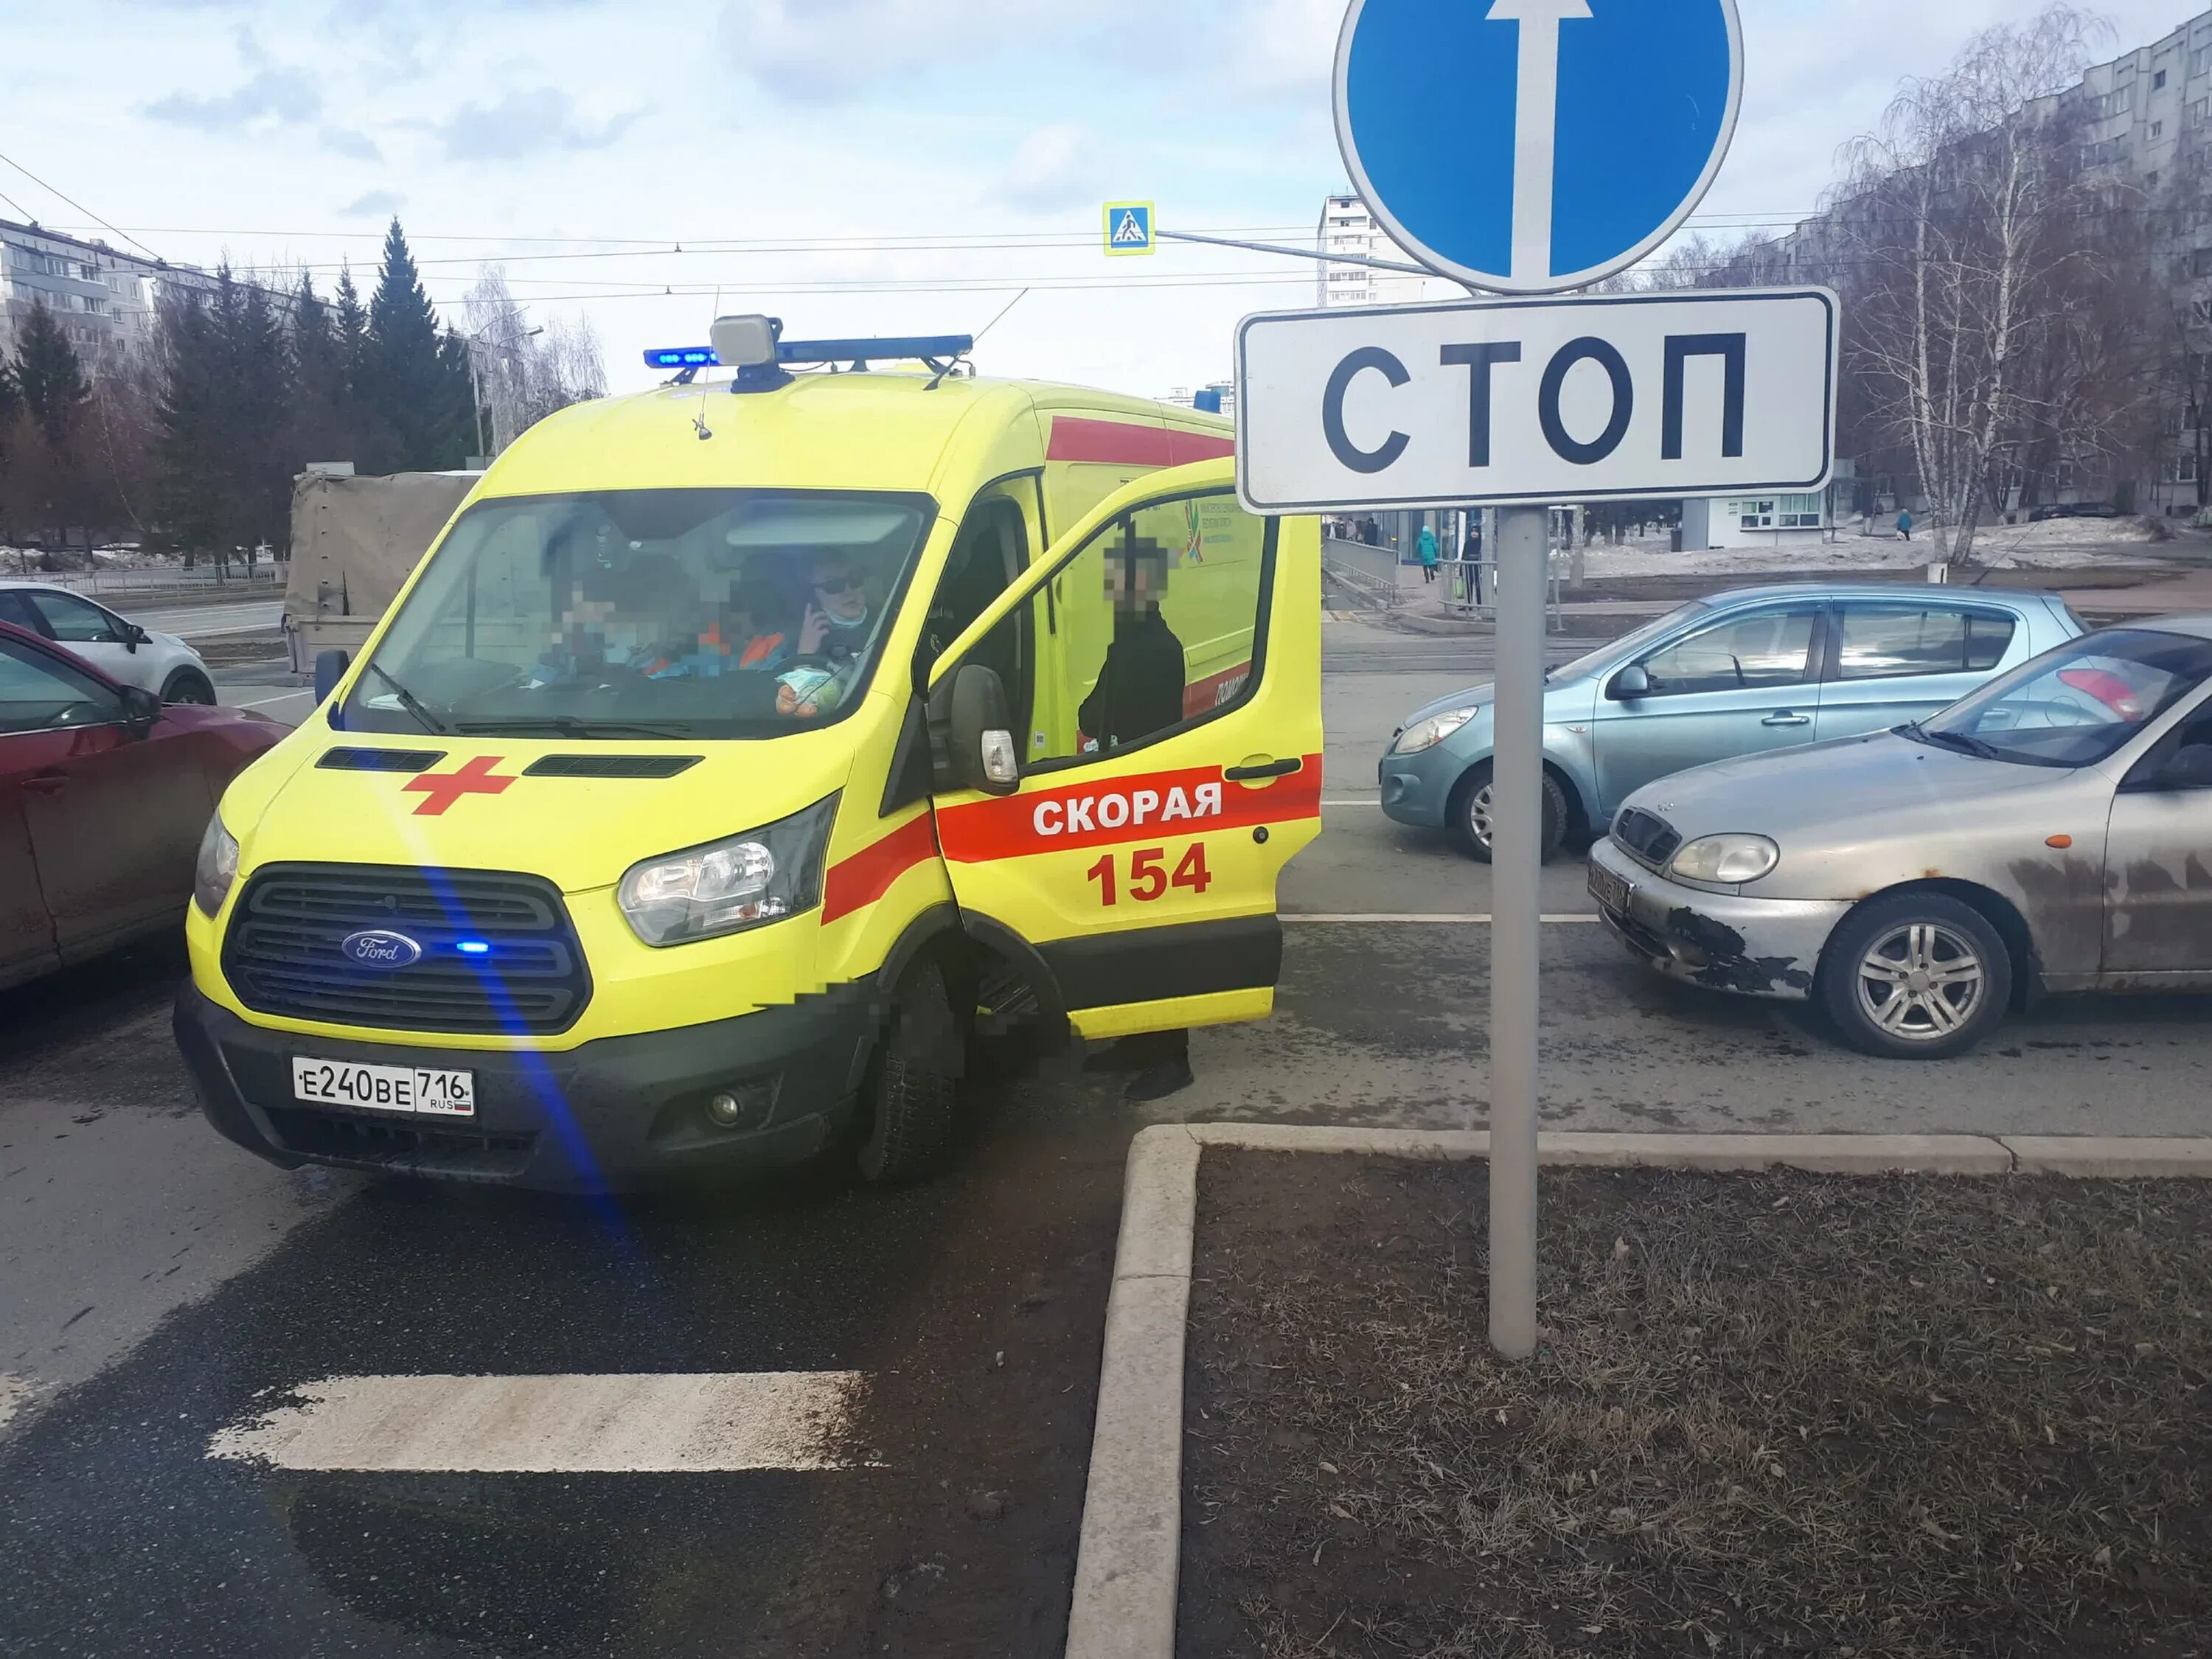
[(190, 509), (48, 479), (49, 377), (262, 422), (351, 334), (11, 415), (410, 371), (360, 434)]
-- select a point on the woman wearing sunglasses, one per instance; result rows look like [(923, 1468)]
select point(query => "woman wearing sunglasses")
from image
[(831, 636)]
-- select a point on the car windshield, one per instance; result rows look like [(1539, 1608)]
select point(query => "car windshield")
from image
[(2077, 705), (1628, 644), (641, 613)]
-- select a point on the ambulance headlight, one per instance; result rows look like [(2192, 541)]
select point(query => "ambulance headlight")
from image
[(727, 886), (216, 868)]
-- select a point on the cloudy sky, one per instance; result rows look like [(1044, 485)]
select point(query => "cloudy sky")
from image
[(853, 166)]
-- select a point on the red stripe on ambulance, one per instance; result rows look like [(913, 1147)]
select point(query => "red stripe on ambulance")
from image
[(1147, 807), (867, 875), (1128, 444)]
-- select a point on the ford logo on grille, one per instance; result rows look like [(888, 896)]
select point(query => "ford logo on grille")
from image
[(375, 948)]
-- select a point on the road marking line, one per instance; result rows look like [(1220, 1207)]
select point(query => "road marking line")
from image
[(266, 701), (1375, 802), (1349, 918), (640, 1423)]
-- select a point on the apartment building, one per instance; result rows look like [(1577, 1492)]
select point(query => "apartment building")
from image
[(1347, 226), (105, 301)]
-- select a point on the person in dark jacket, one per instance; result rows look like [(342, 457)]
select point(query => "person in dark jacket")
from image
[(1140, 684), (1140, 693)]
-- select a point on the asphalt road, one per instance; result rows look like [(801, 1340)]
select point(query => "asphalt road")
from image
[(207, 620), (171, 1309)]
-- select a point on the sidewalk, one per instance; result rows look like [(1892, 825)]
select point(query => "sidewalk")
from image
[(2189, 591)]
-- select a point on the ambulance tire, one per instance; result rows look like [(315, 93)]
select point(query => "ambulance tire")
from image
[(1467, 817), (910, 1106)]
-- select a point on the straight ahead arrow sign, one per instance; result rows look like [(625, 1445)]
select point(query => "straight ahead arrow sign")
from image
[(1536, 126)]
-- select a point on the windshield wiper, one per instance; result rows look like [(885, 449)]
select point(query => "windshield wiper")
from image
[(1958, 740), (569, 726), (412, 703)]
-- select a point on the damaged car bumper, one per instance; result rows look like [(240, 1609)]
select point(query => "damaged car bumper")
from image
[(1723, 941)]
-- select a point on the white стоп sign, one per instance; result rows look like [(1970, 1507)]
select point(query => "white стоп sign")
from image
[(1537, 400)]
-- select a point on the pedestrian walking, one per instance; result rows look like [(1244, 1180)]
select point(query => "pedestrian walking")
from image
[(1905, 524), (1425, 549)]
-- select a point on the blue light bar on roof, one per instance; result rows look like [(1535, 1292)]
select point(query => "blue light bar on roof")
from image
[(922, 346)]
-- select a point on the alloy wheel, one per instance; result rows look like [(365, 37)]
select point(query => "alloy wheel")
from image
[(1920, 982), (1477, 814)]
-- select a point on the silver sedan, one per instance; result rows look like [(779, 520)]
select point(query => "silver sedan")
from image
[(2051, 832)]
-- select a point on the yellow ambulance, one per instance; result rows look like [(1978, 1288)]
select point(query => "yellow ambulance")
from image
[(743, 750)]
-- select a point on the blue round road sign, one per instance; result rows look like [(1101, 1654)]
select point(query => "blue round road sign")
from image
[(1532, 146)]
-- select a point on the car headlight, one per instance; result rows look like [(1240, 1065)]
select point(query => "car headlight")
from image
[(215, 868), (1725, 861), (1428, 733), (727, 886)]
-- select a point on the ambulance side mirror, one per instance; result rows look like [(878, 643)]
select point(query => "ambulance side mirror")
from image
[(971, 739)]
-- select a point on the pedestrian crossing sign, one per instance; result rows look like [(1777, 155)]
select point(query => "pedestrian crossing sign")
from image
[(1128, 228)]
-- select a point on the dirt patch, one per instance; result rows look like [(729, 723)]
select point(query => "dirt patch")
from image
[(1771, 1415)]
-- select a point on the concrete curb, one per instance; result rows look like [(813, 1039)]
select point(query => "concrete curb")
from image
[(1128, 1560)]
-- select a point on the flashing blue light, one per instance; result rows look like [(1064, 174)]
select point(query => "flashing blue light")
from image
[(922, 346), (473, 947)]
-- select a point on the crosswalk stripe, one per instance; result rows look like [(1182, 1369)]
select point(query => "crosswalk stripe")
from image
[(624, 1422)]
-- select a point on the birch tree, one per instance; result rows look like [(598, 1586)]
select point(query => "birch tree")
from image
[(526, 373), (1965, 219)]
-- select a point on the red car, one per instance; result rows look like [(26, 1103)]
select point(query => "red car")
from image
[(104, 795)]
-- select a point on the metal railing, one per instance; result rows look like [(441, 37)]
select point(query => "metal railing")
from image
[(265, 580)]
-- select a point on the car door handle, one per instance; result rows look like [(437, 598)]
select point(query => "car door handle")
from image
[(1281, 768), (1784, 717), (47, 783)]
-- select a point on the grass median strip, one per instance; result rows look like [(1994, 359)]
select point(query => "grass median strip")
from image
[(1772, 1413)]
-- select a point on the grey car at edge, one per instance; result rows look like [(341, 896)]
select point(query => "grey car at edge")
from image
[(2051, 832), (1738, 673)]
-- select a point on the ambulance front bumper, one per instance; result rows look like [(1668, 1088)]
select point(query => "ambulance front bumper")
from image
[(618, 1114)]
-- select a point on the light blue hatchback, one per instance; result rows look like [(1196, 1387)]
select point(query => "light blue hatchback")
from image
[(1754, 669)]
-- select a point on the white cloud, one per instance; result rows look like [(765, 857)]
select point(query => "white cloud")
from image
[(275, 95), (377, 205), (1054, 167), (524, 123)]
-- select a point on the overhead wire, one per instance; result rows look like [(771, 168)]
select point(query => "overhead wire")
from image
[(80, 207)]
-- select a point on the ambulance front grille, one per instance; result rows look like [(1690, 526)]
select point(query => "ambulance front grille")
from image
[(284, 953)]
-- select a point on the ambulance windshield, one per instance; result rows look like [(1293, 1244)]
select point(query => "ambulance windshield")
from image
[(623, 615)]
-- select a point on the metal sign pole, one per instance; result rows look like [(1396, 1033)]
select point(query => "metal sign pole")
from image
[(1516, 907)]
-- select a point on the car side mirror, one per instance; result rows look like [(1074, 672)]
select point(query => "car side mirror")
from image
[(1631, 683), (134, 636), (141, 710), (971, 739), (329, 669)]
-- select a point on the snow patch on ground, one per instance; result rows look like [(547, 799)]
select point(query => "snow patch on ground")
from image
[(2056, 545)]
